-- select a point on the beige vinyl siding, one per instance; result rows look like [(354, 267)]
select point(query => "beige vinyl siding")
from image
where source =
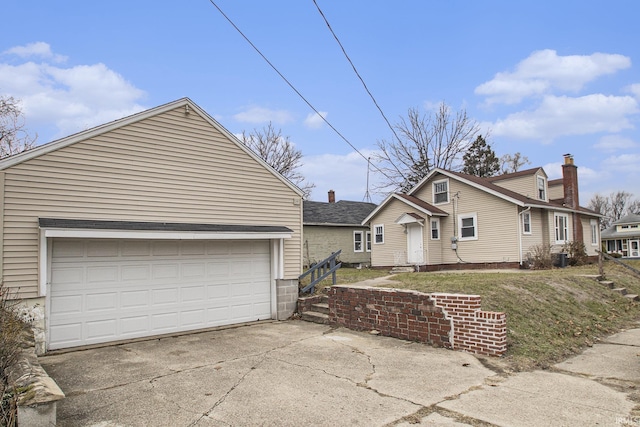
[(323, 240), (556, 192), (539, 234), (497, 226), (394, 249), (586, 232), (171, 167), (526, 185)]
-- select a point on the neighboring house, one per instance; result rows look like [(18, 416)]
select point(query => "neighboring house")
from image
[(329, 227), (623, 237), (455, 220), (156, 223)]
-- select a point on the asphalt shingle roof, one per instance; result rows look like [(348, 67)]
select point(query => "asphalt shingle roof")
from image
[(343, 212)]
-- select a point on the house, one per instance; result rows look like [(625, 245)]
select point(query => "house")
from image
[(623, 237), (455, 220), (329, 227), (156, 223)]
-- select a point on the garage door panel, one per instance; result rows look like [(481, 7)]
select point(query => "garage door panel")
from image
[(146, 288), (101, 301)]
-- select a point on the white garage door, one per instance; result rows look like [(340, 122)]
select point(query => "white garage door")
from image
[(105, 290)]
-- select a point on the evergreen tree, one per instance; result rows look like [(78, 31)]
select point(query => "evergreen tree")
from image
[(480, 159)]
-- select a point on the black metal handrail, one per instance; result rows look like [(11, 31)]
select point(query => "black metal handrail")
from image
[(321, 271)]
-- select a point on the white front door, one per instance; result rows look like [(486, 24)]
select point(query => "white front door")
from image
[(634, 246), (415, 252)]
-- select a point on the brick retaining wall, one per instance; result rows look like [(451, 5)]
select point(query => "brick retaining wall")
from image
[(445, 320)]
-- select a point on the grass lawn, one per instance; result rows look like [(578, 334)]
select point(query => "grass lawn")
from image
[(551, 314)]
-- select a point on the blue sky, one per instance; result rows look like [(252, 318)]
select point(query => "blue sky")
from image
[(543, 78)]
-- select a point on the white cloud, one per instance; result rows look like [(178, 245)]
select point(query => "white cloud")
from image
[(264, 115), (345, 174), (544, 70), (37, 49), (561, 115), (315, 120), (614, 143), (624, 163), (634, 89), (70, 99)]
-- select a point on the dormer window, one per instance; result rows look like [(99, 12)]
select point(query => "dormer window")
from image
[(441, 192), (542, 190)]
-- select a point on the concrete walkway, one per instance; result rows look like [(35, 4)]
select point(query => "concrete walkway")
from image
[(297, 373)]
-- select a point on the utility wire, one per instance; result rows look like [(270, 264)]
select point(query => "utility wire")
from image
[(293, 87), (355, 70)]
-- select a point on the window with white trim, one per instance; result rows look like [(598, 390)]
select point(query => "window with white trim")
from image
[(378, 231), (468, 226), (357, 241), (526, 222), (594, 232), (441, 191), (561, 228), (435, 228), (542, 190), (368, 241)]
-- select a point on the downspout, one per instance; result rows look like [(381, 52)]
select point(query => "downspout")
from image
[(520, 232)]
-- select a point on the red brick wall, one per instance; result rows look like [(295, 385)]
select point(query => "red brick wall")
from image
[(444, 320)]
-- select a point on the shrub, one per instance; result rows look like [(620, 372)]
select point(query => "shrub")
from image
[(539, 257), (576, 252), (12, 337)]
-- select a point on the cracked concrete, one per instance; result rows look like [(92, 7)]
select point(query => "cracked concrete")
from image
[(298, 373)]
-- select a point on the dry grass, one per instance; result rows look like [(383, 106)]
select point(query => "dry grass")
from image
[(551, 314)]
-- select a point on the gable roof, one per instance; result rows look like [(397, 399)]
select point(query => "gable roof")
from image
[(506, 176), (412, 201), (612, 232), (628, 219), (486, 185), (190, 108), (343, 212)]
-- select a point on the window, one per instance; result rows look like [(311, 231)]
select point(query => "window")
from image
[(435, 229), (368, 237), (526, 222), (357, 241), (441, 191), (379, 234), (594, 232), (562, 232), (542, 193), (468, 226)]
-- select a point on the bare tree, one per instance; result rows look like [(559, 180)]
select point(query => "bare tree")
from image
[(14, 138), (613, 207), (512, 163), (424, 142), (279, 153), (601, 205)]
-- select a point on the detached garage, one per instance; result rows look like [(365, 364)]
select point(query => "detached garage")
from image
[(158, 223)]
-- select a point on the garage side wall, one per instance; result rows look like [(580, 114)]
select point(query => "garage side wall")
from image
[(171, 167)]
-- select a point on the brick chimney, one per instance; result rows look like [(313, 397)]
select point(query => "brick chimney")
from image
[(332, 196), (571, 198)]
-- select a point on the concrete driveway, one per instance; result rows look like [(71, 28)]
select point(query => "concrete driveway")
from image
[(298, 373)]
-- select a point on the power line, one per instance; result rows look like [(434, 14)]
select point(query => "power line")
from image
[(293, 87), (355, 70)]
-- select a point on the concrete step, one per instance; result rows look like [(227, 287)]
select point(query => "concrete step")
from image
[(312, 316), (633, 297), (408, 269), (591, 276), (621, 291), (321, 308), (609, 284)]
